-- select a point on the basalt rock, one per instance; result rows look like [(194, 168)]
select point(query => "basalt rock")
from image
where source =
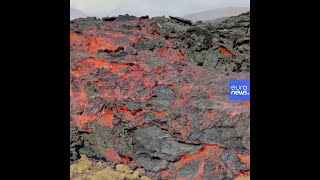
[(152, 93)]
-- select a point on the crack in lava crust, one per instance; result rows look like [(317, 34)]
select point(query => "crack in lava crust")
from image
[(147, 106)]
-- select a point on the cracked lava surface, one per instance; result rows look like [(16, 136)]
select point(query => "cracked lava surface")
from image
[(139, 96)]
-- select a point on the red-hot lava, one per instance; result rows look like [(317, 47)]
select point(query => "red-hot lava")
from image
[(138, 100)]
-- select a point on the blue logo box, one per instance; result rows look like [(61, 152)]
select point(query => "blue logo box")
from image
[(239, 89)]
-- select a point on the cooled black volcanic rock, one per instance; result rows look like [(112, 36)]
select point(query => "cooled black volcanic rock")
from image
[(153, 93)]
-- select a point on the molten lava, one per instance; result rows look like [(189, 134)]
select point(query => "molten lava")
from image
[(143, 103)]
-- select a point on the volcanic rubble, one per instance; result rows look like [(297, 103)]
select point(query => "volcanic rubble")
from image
[(152, 93)]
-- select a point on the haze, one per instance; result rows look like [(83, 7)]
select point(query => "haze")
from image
[(101, 8)]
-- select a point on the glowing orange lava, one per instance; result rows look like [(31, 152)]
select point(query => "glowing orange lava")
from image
[(225, 51), (107, 119)]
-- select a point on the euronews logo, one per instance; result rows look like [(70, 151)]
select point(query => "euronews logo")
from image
[(239, 89)]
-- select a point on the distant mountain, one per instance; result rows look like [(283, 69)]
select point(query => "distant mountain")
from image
[(216, 14), (217, 20), (75, 13)]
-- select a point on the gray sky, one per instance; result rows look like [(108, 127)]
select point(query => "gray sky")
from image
[(152, 7)]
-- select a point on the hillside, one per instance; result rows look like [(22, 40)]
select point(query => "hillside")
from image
[(75, 13), (216, 13)]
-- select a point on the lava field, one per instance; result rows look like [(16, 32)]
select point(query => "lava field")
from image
[(152, 93)]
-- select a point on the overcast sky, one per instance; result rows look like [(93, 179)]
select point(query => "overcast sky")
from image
[(152, 7)]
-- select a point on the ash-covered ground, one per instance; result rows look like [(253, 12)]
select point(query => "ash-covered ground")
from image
[(153, 94)]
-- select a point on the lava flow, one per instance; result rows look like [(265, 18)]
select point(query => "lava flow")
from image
[(153, 94)]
